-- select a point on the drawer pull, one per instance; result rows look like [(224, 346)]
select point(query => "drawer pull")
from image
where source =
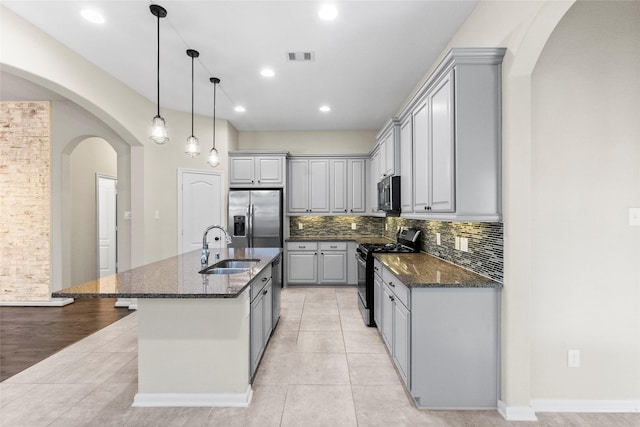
[(301, 246), (264, 279), (334, 246), (391, 298), (265, 292), (392, 285)]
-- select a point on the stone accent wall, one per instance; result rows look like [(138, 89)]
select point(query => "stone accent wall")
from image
[(25, 156)]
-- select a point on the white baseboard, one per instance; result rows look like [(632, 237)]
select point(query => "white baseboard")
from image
[(585, 405), (55, 302), (516, 413), (240, 400)]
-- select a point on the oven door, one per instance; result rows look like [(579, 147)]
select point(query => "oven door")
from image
[(364, 292)]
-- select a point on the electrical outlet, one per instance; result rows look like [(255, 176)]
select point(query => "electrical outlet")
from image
[(353, 226), (464, 244), (386, 227), (438, 239), (300, 226), (127, 214), (634, 216), (573, 358), (457, 243)]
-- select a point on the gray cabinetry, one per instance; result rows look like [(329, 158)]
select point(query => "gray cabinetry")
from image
[(406, 164), (302, 262), (456, 139), (444, 342), (308, 189), (347, 185), (253, 169), (261, 313), (318, 263)]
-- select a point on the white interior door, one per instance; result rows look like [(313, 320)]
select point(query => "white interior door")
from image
[(200, 204), (107, 240)]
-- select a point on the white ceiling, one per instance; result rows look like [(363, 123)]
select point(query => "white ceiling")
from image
[(367, 60)]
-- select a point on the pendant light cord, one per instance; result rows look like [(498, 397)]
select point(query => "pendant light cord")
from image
[(192, 96), (158, 66), (214, 114)]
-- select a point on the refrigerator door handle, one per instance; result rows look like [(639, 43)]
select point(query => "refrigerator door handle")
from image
[(250, 207)]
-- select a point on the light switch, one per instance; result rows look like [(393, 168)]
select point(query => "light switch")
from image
[(634, 216)]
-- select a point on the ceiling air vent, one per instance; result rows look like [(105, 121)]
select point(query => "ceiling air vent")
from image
[(301, 56)]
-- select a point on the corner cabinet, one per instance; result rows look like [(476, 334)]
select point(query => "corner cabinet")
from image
[(444, 342), (257, 169), (454, 125)]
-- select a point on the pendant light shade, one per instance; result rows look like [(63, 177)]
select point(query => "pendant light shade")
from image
[(192, 147), (214, 157), (159, 132)]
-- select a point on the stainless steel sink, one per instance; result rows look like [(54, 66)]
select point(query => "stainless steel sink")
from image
[(230, 266), (236, 263), (216, 270)]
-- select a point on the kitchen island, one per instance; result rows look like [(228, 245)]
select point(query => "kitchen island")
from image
[(196, 343)]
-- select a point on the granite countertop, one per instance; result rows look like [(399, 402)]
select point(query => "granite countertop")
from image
[(176, 277), (341, 238), (425, 271)]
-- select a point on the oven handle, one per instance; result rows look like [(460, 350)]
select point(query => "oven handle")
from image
[(360, 260)]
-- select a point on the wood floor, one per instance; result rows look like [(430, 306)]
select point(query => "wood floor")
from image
[(31, 334)]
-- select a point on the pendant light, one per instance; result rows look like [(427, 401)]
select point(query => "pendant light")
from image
[(159, 129), (214, 157), (192, 147)]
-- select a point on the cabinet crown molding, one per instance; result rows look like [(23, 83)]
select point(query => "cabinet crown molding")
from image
[(239, 153)]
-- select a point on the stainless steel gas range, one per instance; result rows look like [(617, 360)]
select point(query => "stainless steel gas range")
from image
[(407, 241)]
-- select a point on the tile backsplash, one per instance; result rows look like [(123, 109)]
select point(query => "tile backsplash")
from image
[(335, 225), (485, 255)]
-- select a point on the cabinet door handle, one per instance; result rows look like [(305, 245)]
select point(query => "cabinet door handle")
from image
[(316, 253), (322, 253), (391, 298), (345, 210), (392, 285), (425, 208), (264, 279), (265, 292), (375, 268)]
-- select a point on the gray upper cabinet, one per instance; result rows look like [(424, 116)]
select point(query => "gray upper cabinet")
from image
[(348, 186), (308, 188), (257, 169), (406, 164), (456, 140)]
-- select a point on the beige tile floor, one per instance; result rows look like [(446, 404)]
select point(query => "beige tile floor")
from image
[(323, 367)]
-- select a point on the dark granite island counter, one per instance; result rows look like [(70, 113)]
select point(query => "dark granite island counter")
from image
[(194, 329)]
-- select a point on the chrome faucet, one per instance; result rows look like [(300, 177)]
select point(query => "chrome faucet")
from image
[(204, 259)]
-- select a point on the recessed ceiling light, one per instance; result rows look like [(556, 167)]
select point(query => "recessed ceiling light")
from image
[(267, 72), (92, 16), (325, 108), (328, 12), (240, 109)]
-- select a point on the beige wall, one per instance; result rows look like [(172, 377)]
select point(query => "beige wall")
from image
[(585, 175), (92, 156), (25, 258), (311, 142)]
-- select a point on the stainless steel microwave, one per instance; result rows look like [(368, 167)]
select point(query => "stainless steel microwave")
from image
[(389, 194)]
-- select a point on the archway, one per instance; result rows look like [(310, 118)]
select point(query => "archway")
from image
[(90, 158)]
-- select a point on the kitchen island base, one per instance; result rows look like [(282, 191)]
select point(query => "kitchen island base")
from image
[(193, 352)]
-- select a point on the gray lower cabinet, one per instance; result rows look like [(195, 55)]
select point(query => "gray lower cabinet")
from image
[(261, 314), (317, 263), (444, 342)]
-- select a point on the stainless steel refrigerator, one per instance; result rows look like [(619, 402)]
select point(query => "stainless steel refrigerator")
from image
[(255, 218)]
